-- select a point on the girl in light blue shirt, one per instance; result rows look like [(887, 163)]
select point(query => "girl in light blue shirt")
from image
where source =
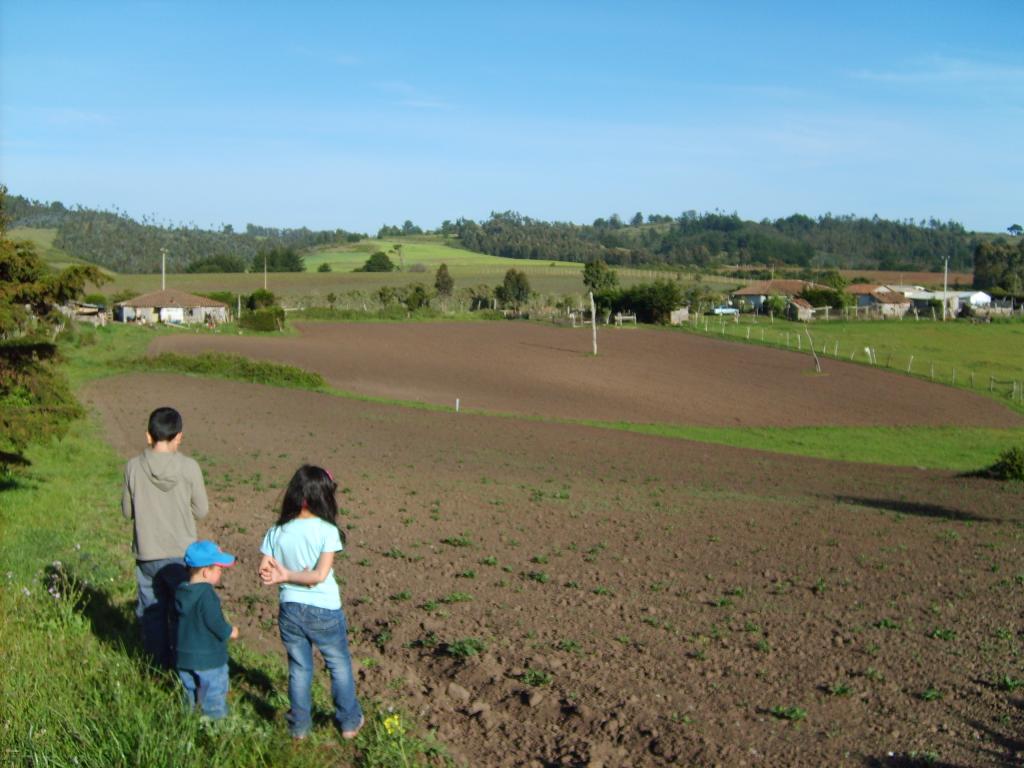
[(298, 555)]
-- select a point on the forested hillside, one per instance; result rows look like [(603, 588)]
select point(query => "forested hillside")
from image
[(118, 242), (715, 238)]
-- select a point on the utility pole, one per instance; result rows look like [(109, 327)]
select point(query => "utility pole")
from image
[(163, 269), (945, 283)]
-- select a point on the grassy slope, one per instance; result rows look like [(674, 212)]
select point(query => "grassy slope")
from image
[(43, 239), (986, 349), (310, 288)]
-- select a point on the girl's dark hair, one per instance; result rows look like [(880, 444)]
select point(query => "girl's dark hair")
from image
[(314, 488)]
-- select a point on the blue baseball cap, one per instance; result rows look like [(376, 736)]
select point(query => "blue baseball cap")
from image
[(203, 553)]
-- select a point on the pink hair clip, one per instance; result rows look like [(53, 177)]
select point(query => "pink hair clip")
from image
[(329, 474)]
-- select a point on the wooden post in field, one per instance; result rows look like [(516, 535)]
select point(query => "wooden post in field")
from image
[(972, 379), (910, 364), (954, 377), (593, 320), (817, 362)]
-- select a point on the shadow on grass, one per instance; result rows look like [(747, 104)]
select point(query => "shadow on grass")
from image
[(255, 686), (9, 461), (917, 509), (115, 626)]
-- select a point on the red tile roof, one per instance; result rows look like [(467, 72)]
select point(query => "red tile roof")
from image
[(171, 298)]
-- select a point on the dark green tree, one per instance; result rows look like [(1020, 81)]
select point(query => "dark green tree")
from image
[(35, 400), (443, 282), (378, 262), (514, 290), (598, 278)]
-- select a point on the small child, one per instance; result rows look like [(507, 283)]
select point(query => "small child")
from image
[(203, 632), (163, 496), (298, 553)]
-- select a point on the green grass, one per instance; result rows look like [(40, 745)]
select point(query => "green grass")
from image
[(985, 349), (955, 448)]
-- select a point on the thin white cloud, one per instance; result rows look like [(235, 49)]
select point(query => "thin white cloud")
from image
[(945, 71)]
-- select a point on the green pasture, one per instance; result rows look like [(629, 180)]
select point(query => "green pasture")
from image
[(992, 352), (43, 240)]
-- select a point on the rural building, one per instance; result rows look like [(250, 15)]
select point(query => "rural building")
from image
[(81, 312), (888, 303), (679, 316), (757, 293), (800, 309), (974, 299), (171, 306), (862, 292)]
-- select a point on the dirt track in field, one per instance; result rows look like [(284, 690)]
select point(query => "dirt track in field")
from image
[(640, 375), (671, 594)]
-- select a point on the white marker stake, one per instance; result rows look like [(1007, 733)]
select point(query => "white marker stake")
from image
[(456, 405)]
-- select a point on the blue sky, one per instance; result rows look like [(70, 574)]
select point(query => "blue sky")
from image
[(352, 115)]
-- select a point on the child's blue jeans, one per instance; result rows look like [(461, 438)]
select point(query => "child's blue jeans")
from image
[(303, 626), (207, 689)]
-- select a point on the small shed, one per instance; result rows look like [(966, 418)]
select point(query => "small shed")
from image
[(800, 309), (889, 303), (679, 316), (171, 306)]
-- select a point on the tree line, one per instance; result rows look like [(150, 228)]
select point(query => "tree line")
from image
[(709, 239), (114, 240)]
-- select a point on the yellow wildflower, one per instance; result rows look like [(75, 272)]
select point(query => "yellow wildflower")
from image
[(393, 725)]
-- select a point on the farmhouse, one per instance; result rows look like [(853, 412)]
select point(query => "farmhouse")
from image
[(757, 293), (171, 306)]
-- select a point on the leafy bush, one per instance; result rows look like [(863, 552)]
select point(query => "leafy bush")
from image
[(267, 319), (378, 262), (1009, 465), (325, 267), (260, 298)]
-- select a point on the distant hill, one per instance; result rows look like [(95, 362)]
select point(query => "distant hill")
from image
[(118, 242)]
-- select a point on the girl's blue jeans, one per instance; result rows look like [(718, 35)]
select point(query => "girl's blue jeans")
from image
[(303, 626)]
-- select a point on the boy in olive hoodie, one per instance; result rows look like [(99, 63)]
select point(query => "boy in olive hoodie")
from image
[(163, 495), (203, 632)]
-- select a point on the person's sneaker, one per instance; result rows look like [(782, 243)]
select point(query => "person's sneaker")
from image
[(351, 734)]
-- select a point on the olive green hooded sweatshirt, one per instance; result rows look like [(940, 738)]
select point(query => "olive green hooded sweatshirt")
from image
[(164, 495)]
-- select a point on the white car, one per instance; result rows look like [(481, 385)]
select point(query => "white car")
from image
[(724, 310)]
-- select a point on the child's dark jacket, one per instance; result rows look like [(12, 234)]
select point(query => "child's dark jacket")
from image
[(203, 631)]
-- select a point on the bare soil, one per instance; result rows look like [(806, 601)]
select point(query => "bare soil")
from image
[(643, 601), (640, 375)]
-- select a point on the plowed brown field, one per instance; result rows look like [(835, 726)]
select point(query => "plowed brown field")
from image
[(640, 375), (678, 601)]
